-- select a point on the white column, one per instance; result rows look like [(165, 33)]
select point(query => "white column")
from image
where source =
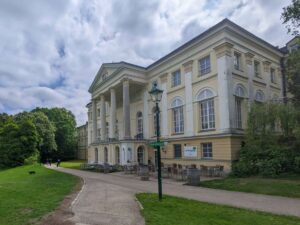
[(164, 107), (225, 89), (102, 118), (89, 128), (189, 126), (145, 114), (126, 109), (94, 115), (112, 124)]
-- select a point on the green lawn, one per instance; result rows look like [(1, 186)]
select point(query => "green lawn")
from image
[(26, 198), (73, 164), (288, 186), (179, 211)]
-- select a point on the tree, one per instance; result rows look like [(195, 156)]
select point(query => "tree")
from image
[(65, 131), (46, 133), (293, 75), (18, 141), (272, 141), (291, 17)]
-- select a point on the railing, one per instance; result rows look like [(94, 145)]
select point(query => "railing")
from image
[(139, 136)]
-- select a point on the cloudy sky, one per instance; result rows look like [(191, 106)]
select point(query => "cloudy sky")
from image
[(50, 50)]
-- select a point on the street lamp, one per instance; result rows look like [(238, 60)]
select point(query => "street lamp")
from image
[(156, 95)]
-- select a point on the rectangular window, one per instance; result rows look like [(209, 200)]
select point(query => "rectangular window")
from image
[(178, 120), (98, 112), (204, 65), (237, 61), (257, 69), (207, 114), (238, 111), (273, 77), (177, 151), (207, 150), (176, 78)]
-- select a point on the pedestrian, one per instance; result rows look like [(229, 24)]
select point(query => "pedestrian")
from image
[(58, 163), (50, 161)]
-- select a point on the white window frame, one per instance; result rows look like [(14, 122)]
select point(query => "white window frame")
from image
[(238, 112), (206, 109), (207, 150), (139, 122), (237, 60), (240, 94), (176, 78), (178, 117), (257, 72), (204, 65), (273, 76)]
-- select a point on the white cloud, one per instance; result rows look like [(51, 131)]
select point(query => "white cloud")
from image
[(52, 49)]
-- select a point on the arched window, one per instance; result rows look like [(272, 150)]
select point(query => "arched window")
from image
[(177, 111), (240, 94), (140, 155), (259, 96), (206, 109), (240, 91), (139, 122)]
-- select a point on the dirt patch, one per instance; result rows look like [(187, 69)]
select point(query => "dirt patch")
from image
[(63, 213)]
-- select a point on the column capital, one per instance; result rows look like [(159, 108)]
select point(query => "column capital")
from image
[(188, 66), (249, 58), (223, 49), (266, 64)]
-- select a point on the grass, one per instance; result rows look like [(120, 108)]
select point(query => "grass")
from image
[(25, 198), (288, 186), (179, 211), (73, 164)]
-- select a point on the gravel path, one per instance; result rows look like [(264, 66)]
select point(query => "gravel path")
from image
[(109, 198)]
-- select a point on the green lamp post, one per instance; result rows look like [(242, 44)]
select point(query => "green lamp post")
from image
[(156, 95)]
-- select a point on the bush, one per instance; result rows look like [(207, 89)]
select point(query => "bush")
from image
[(32, 159), (297, 164)]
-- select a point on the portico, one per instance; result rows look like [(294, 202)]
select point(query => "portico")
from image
[(118, 137)]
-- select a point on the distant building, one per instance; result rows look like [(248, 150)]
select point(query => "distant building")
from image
[(82, 141), (208, 83)]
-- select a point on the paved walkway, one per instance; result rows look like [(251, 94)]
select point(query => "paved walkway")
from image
[(109, 198)]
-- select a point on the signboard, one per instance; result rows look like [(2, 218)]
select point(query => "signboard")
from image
[(155, 144), (190, 151)]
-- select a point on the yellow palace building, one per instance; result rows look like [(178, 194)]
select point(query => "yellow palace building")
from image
[(208, 83)]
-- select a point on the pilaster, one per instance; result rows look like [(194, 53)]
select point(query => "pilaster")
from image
[(225, 86), (188, 74)]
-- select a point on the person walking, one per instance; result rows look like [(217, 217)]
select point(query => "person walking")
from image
[(58, 163)]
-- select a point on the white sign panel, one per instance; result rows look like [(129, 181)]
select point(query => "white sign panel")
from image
[(190, 151)]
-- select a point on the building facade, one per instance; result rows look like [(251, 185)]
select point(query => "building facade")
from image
[(82, 142), (208, 83)]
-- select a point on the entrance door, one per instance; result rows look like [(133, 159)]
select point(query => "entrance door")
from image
[(141, 155), (117, 155), (96, 155), (105, 155)]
